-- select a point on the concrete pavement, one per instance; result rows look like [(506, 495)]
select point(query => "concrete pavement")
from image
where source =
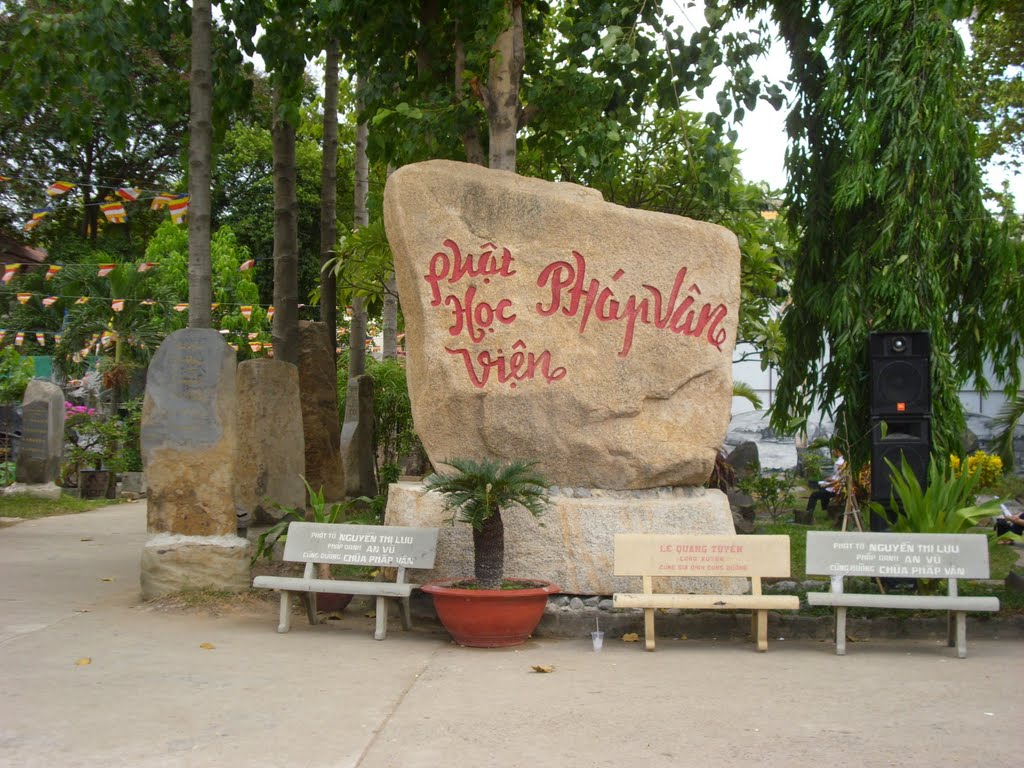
[(153, 695)]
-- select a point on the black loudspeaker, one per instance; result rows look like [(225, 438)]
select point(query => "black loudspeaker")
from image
[(904, 437), (900, 382)]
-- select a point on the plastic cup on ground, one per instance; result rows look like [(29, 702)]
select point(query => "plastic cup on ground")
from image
[(598, 638)]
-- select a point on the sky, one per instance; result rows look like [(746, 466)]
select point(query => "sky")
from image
[(762, 135)]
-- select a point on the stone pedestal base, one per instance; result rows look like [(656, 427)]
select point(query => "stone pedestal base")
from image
[(38, 490), (575, 547), (172, 563)]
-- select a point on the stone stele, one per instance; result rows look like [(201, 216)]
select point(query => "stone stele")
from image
[(188, 435), (575, 547), (270, 460), (544, 323), (321, 427), (42, 434)]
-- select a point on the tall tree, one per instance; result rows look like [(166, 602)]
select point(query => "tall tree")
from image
[(329, 193), (200, 158), (996, 85), (884, 197)]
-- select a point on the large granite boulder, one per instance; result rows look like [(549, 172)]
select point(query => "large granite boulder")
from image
[(542, 322)]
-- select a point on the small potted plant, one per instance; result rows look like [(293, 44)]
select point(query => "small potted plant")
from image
[(489, 610)]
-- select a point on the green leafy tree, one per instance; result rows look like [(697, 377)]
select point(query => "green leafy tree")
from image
[(996, 85), (884, 199)]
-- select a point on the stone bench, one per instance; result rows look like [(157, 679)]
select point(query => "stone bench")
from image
[(900, 555), (371, 545), (653, 555)]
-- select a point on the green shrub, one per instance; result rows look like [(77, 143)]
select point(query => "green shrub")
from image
[(947, 505), (772, 491), (16, 372)]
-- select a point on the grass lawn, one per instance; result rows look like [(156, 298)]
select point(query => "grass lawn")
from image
[(30, 507)]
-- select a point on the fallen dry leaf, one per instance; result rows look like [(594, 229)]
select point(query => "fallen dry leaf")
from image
[(542, 668), (86, 538), (370, 614), (83, 662), (630, 637), (107, 578), (683, 637), (207, 646)]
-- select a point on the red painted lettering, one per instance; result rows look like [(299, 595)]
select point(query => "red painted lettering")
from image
[(452, 269), (521, 365), (570, 290)]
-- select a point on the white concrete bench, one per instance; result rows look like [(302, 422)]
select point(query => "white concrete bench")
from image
[(653, 555), (906, 556), (372, 545)]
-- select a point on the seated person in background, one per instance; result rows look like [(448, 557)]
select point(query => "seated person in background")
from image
[(829, 487), (1009, 523)]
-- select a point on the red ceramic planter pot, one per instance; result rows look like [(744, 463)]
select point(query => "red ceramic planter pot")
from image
[(490, 618)]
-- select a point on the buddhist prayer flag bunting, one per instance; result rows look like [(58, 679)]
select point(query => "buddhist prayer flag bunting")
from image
[(56, 338), (82, 300), (30, 225), (213, 307), (5, 178), (2, 335), (10, 270), (19, 337), (24, 297), (130, 194), (52, 270), (246, 312), (49, 301), (147, 302), (270, 313), (178, 208), (106, 269), (161, 200), (117, 305), (180, 307), (146, 266), (254, 334), (59, 188), (114, 212), (41, 339), (255, 346), (247, 265), (41, 213)]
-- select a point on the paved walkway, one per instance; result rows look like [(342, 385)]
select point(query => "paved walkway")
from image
[(181, 689)]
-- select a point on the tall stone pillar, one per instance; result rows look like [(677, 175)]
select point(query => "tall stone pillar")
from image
[(269, 462), (321, 427), (188, 435), (41, 447)]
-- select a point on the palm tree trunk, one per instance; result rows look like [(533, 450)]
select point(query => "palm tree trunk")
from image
[(489, 552), (286, 243), (502, 94), (360, 218), (329, 195), (200, 152)]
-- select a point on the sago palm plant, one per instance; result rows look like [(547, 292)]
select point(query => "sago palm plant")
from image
[(477, 493)]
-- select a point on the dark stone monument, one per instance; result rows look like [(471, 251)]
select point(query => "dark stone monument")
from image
[(318, 392), (357, 438), (42, 434)]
